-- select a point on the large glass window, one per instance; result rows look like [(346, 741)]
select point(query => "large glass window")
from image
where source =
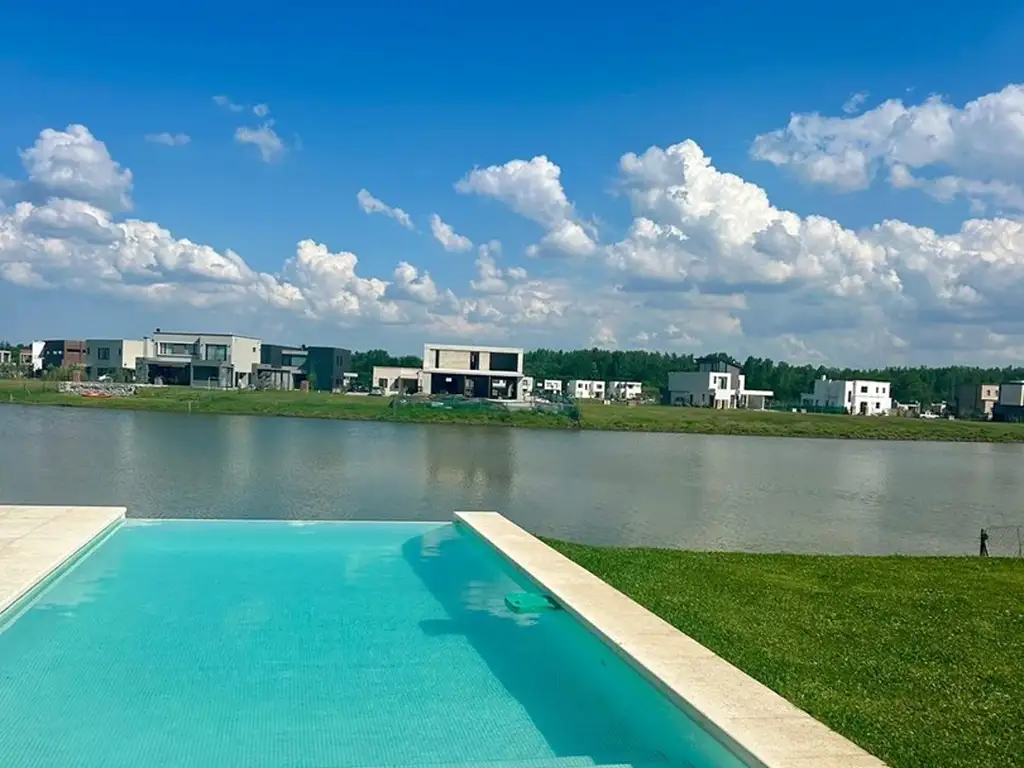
[(217, 352), (174, 349), (504, 361), (102, 353)]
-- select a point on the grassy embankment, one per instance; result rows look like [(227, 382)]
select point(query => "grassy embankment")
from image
[(918, 660), (647, 418)]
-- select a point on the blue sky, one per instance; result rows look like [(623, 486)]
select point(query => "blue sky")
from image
[(405, 99)]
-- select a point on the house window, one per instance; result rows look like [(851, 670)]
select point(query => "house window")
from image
[(174, 349), (864, 389), (102, 353), (217, 352), (474, 361), (849, 396)]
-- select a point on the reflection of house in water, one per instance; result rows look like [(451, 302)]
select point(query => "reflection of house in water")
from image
[(480, 458)]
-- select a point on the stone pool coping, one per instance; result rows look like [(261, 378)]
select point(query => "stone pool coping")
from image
[(751, 720), (36, 541)]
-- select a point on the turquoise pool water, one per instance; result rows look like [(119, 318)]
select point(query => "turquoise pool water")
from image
[(328, 645)]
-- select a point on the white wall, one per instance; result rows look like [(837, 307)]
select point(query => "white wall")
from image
[(586, 389), (624, 390), (391, 375), (861, 396)]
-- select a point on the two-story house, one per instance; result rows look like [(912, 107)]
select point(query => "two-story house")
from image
[(472, 371), (214, 360)]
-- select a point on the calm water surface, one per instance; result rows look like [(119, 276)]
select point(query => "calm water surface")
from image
[(688, 491)]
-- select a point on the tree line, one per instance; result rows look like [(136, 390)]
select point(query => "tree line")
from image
[(922, 384)]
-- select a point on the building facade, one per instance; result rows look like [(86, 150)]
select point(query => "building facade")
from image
[(552, 387), (61, 353), (716, 384), (212, 360), (976, 400), (472, 371), (1012, 393), (326, 368), (393, 380), (586, 389), (281, 367), (859, 397), (625, 390), (114, 357)]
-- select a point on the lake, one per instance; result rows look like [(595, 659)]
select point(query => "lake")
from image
[(687, 491)]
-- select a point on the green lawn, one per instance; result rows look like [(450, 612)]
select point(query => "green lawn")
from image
[(644, 418), (918, 660)]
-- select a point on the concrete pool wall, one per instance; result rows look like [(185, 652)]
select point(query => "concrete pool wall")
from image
[(35, 542), (750, 719)]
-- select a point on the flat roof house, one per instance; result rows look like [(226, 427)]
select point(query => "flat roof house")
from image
[(586, 389), (625, 390), (60, 353), (109, 357), (214, 360), (861, 396), (715, 384), (472, 371), (395, 380), (976, 400)]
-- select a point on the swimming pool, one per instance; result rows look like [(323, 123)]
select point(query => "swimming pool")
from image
[(182, 643)]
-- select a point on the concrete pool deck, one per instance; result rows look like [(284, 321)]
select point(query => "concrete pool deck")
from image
[(36, 541), (754, 722)]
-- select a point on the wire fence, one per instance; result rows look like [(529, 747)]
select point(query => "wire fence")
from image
[(1002, 541)]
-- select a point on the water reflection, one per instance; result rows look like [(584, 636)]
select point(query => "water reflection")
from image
[(690, 491)]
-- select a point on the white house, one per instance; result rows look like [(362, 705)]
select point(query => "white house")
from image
[(473, 371), (716, 384), (624, 390), (586, 389), (552, 386), (861, 397), (393, 380), (526, 388), (214, 360)]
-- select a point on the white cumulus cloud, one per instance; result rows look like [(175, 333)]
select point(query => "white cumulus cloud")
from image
[(371, 204), (447, 236), (533, 188), (979, 147)]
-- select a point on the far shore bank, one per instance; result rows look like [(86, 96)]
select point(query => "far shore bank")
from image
[(593, 416)]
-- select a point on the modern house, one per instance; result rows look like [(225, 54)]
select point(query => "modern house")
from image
[(526, 385), (586, 389), (5, 357), (393, 380), (976, 400), (109, 357), (860, 397), (624, 390), (281, 367), (1011, 402), (472, 371), (60, 353), (326, 368), (25, 357), (715, 384), (214, 360), (552, 387)]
